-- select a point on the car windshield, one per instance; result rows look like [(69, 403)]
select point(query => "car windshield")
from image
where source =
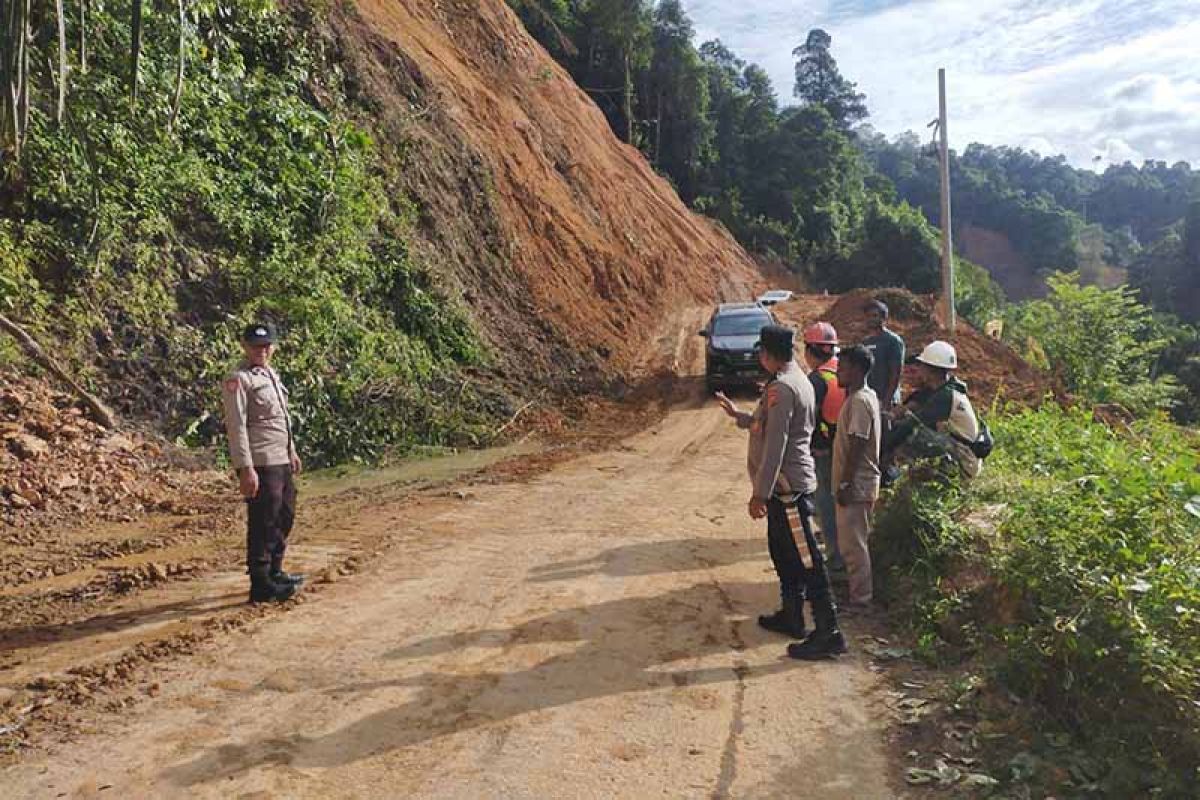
[(740, 325)]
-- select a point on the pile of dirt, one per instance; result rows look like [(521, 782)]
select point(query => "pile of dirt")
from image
[(562, 240), (989, 367), (55, 463)]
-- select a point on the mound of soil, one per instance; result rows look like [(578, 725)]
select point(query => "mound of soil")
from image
[(989, 367), (56, 463), (566, 245)]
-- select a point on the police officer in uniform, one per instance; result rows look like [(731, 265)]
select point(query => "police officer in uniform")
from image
[(784, 481), (264, 455)]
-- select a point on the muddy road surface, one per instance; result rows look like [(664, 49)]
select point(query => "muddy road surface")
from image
[(588, 632)]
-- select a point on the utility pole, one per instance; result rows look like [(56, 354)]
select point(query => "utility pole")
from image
[(947, 240)]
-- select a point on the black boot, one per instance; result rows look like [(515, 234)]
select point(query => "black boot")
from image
[(279, 576), (788, 620), (287, 579), (265, 590), (826, 641)]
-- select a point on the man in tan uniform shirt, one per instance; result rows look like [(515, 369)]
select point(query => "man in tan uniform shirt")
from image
[(856, 469), (784, 480), (264, 455)]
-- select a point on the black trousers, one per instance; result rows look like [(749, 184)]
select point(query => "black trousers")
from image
[(269, 517), (786, 534)]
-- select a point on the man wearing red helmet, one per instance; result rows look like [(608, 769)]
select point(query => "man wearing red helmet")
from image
[(820, 355)]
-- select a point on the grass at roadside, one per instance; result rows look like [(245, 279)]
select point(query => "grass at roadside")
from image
[(1069, 575)]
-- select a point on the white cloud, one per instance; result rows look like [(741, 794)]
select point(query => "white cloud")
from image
[(1115, 78)]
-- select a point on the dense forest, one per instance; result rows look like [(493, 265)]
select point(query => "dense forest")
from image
[(807, 182), (1140, 223)]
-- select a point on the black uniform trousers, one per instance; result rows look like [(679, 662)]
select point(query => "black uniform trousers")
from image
[(269, 517), (796, 579)]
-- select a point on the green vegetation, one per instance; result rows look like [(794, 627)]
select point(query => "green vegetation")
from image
[(1103, 343), (1142, 220), (140, 240), (1070, 571)]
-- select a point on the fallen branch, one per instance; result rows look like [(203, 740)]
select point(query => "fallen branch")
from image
[(100, 412), (509, 424)]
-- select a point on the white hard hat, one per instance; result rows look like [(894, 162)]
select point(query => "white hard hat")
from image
[(939, 354)]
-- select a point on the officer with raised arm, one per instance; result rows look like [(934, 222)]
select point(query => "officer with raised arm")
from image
[(784, 481)]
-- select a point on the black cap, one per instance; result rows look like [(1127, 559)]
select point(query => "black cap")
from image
[(259, 333), (777, 340)]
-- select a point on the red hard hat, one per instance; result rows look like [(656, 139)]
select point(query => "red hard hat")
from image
[(820, 333)]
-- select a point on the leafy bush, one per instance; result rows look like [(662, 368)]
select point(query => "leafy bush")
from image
[(1073, 566), (897, 247), (978, 297), (154, 242), (1102, 342)]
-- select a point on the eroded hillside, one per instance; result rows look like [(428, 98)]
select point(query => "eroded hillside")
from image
[(562, 239)]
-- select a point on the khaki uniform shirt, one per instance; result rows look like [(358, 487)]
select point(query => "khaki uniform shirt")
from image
[(256, 418), (780, 458), (859, 418)]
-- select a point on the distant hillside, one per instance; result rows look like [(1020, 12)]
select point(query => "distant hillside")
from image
[(1022, 215)]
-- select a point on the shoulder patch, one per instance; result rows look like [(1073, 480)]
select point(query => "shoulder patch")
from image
[(772, 395), (231, 384)]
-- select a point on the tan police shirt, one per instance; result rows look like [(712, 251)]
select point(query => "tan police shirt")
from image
[(780, 458), (256, 418), (859, 418)]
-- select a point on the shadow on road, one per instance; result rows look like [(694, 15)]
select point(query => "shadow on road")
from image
[(654, 558), (15, 639), (621, 646)]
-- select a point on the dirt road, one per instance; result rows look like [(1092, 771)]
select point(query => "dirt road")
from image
[(589, 633)]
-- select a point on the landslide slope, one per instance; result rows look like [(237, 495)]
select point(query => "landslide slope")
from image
[(566, 245)]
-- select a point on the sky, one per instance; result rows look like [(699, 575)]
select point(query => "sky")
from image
[(1117, 79)]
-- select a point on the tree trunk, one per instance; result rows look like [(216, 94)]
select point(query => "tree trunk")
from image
[(62, 61), (178, 99), (8, 49), (100, 412), (83, 53), (23, 74), (135, 51), (628, 101), (658, 130)]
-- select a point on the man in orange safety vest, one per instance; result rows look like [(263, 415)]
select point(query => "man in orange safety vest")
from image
[(820, 356)]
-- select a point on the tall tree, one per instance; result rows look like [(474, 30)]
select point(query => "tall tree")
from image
[(619, 48), (135, 50), (727, 108), (61, 26), (14, 75), (678, 91), (819, 83)]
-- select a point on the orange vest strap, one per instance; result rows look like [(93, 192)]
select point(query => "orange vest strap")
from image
[(834, 396)]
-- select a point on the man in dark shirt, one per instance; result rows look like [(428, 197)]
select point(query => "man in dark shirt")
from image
[(888, 350)]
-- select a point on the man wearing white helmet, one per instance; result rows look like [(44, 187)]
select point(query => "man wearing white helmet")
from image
[(938, 419)]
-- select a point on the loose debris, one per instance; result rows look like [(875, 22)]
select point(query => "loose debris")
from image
[(56, 464)]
